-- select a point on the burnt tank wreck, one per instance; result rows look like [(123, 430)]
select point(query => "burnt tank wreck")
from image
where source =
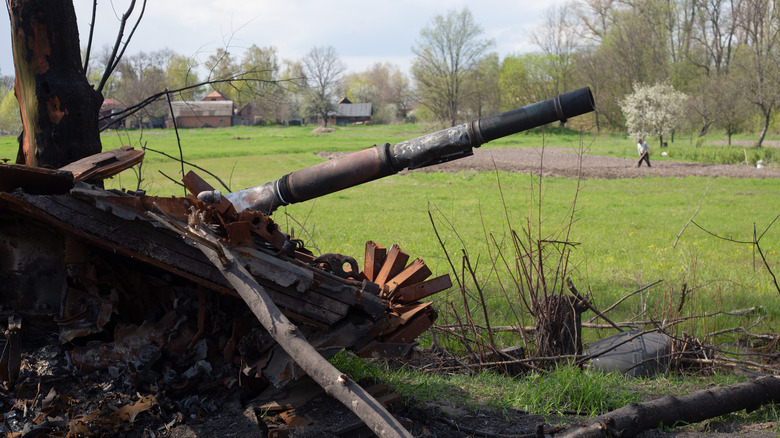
[(206, 292)]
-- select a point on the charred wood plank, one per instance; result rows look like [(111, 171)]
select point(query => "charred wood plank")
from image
[(105, 164)]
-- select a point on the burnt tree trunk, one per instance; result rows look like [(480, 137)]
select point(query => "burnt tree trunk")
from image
[(559, 326), (59, 107), (634, 418)]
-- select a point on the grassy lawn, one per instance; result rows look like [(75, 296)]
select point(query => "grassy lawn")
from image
[(626, 229)]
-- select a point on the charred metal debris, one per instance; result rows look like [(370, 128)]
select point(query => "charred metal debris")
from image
[(126, 296)]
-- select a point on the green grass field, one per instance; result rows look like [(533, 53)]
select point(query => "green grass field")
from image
[(626, 230)]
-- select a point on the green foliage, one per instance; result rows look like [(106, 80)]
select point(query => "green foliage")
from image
[(525, 79), (386, 114), (10, 117), (259, 71), (182, 73), (383, 85), (481, 93)]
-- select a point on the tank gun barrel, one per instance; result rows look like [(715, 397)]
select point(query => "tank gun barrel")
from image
[(384, 160)]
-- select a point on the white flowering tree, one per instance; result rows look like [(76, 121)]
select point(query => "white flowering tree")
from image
[(653, 110)]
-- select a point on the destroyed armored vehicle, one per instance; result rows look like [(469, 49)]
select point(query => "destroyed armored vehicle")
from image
[(141, 282)]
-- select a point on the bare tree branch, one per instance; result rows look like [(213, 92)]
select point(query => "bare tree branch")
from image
[(91, 33), (114, 59)]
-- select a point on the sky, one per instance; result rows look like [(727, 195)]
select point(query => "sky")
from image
[(362, 32)]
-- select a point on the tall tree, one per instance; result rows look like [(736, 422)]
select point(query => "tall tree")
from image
[(258, 76), (401, 93), (757, 60), (716, 35), (525, 79), (59, 107), (482, 95), (595, 17), (449, 49), (293, 84), (557, 37), (731, 110), (322, 69), (139, 76)]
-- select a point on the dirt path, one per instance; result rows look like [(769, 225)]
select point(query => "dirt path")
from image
[(565, 163)]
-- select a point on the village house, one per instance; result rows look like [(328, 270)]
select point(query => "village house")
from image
[(110, 111), (348, 113), (213, 111)]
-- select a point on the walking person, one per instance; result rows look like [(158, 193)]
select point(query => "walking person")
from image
[(643, 150)]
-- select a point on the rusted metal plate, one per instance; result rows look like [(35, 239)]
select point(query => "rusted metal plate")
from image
[(394, 264), (264, 227), (406, 313), (239, 233), (34, 179), (195, 184), (105, 164), (419, 291), (416, 272), (414, 328), (375, 258)]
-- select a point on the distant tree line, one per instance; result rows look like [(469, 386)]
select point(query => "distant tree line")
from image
[(719, 57)]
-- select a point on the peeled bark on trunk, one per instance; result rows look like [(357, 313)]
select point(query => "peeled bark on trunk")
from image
[(59, 108), (634, 418)]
